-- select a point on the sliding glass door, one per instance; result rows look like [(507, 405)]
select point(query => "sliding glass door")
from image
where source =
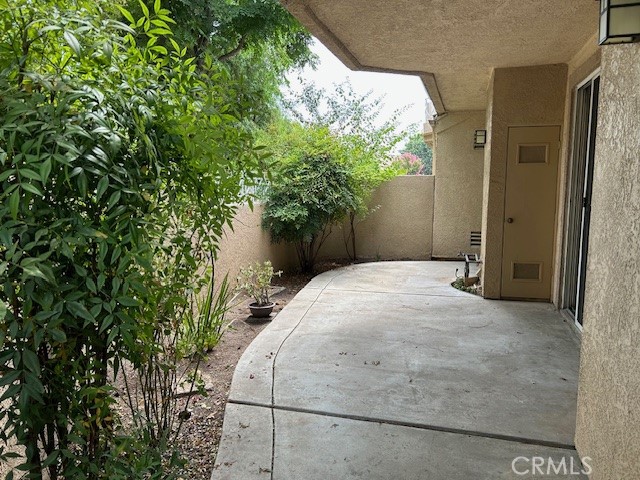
[(579, 196)]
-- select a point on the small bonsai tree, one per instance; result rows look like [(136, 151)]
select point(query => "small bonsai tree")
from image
[(255, 281)]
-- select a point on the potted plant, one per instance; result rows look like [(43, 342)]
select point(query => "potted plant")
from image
[(255, 280)]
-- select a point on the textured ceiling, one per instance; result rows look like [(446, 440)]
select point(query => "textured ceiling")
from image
[(453, 44)]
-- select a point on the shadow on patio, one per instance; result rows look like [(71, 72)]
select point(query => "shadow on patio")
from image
[(383, 370)]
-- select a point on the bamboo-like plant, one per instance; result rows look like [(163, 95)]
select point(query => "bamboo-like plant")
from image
[(116, 157), (204, 324)]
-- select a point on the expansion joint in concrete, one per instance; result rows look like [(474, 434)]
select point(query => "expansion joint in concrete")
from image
[(408, 294), (273, 375), (420, 426)]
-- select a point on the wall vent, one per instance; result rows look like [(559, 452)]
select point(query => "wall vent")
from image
[(476, 239)]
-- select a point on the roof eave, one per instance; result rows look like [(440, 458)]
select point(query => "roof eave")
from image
[(318, 29)]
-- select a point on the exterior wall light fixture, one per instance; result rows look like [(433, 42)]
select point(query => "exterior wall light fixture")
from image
[(479, 138), (619, 21)]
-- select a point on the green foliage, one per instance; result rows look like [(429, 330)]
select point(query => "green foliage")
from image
[(348, 114), (255, 281), (417, 146), (310, 190), (120, 166), (460, 285), (287, 141), (226, 28), (203, 324), (255, 41), (365, 140)]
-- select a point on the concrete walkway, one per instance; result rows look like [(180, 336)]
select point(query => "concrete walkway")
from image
[(384, 371)]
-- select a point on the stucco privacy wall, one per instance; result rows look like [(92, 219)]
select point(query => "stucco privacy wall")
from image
[(608, 417), (247, 242), (585, 62), (523, 96), (400, 228), (458, 170)]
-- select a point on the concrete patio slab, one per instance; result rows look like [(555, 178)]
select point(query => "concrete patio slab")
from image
[(313, 447), (464, 363), (253, 377), (319, 447), (247, 452), (391, 351)]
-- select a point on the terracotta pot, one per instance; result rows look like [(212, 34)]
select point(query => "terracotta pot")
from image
[(261, 311)]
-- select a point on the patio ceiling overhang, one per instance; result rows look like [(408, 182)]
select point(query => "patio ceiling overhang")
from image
[(452, 45)]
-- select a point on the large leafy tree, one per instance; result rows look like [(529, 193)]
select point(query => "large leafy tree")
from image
[(226, 28), (417, 146), (257, 41)]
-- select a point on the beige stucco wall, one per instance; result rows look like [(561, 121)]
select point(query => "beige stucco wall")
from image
[(458, 170), (400, 228), (486, 175), (608, 419), (523, 96), (247, 242), (586, 61)]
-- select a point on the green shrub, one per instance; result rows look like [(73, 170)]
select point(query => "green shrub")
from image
[(365, 141), (255, 281), (310, 191), (120, 165)]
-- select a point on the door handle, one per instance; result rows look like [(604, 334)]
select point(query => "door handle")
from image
[(509, 220)]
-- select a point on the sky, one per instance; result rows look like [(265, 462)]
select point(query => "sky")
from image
[(398, 90)]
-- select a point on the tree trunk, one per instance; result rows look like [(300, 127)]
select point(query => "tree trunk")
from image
[(352, 220)]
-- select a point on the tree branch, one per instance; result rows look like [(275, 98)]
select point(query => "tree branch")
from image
[(229, 55)]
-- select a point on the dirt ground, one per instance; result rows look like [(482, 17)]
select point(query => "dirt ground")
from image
[(200, 434)]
